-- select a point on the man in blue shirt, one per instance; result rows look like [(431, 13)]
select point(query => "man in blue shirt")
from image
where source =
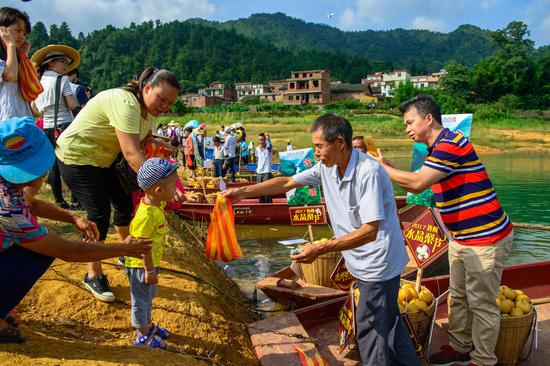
[(360, 201)]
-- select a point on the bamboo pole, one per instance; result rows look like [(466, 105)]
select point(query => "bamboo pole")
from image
[(531, 226), (419, 274)]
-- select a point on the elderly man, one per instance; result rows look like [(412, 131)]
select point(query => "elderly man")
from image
[(481, 231), (361, 205)]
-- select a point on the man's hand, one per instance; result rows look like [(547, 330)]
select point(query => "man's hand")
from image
[(234, 195), (89, 228), (308, 253), (151, 278), (381, 159), (191, 198), (137, 248)]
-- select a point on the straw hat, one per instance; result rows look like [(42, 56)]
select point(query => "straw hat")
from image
[(173, 123), (54, 51)]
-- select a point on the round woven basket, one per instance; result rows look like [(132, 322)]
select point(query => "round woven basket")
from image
[(421, 320), (318, 272), (512, 337)]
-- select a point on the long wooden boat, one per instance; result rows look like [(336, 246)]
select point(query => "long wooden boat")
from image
[(288, 289), (249, 211), (315, 328)]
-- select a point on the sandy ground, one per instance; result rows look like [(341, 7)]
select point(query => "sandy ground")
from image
[(65, 325)]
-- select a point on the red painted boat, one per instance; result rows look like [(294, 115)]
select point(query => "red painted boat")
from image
[(315, 328), (216, 190), (249, 211)]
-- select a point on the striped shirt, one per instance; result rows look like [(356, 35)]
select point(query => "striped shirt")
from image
[(465, 196)]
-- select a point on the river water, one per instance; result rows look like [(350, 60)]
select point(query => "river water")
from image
[(522, 183)]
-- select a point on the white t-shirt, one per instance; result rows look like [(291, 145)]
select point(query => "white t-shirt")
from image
[(12, 103), (46, 100), (263, 157)]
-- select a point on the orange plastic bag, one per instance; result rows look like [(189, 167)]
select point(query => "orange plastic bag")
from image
[(221, 242), (316, 360), (28, 79)]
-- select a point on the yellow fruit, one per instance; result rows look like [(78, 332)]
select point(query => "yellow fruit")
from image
[(509, 293), (516, 312), (523, 298), (324, 240), (413, 292), (501, 288), (501, 297), (421, 304), (524, 306), (504, 315), (499, 301), (426, 296), (403, 295), (506, 306), (408, 285), (401, 308), (519, 292), (412, 307)]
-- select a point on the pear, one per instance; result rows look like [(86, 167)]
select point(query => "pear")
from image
[(408, 285), (421, 304), (501, 288), (412, 306), (506, 306), (401, 307), (403, 295), (523, 298), (519, 292), (426, 296), (413, 292), (524, 306), (504, 315), (510, 294), (515, 312)]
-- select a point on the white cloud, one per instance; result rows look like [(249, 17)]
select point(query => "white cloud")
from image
[(488, 4), (537, 16), (365, 12), (422, 22), (88, 15)]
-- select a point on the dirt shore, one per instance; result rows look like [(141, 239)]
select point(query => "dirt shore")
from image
[(65, 325)]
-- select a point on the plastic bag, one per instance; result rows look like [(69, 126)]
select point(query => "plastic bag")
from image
[(221, 242)]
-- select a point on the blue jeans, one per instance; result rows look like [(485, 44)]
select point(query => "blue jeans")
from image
[(142, 297), (21, 268), (218, 167), (381, 334)]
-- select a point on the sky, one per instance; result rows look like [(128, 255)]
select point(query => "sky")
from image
[(349, 15)]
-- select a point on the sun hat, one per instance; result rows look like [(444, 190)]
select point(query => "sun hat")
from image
[(53, 51), (173, 123), (199, 131), (153, 171), (25, 152)]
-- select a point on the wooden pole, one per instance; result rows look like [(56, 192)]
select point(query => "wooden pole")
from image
[(310, 230), (530, 226), (419, 274)]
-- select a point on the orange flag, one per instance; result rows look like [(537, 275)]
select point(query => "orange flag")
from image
[(316, 360), (28, 79), (221, 242)]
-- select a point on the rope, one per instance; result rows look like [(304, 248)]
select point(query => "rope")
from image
[(531, 226)]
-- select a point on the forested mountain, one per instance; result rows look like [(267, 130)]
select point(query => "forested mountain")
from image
[(419, 50), (196, 53)]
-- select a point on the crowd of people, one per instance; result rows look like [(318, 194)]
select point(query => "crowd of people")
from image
[(96, 146)]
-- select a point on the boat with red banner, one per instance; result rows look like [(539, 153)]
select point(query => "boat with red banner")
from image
[(315, 328)]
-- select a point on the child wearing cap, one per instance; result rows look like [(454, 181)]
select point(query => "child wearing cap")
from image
[(157, 178)]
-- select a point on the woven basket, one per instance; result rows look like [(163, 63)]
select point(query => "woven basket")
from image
[(318, 272), (421, 320), (211, 198), (512, 337)]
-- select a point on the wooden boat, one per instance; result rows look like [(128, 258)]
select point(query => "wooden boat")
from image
[(288, 289), (248, 211), (216, 190), (315, 328)]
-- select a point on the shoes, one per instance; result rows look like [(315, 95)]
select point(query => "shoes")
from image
[(63, 205), (162, 332), (151, 341), (99, 287), (448, 356)]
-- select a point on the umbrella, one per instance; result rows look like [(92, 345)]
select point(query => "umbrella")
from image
[(203, 126), (193, 123)]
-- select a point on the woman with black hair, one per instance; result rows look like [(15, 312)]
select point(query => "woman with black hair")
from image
[(14, 28), (115, 121)]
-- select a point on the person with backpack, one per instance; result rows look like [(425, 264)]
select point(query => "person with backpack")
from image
[(174, 134)]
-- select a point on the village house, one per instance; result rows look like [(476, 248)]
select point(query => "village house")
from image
[(360, 92), (374, 80), (220, 90), (201, 101), (427, 81), (308, 87), (251, 90)]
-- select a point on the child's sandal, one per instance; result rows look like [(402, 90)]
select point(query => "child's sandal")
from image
[(151, 341), (162, 332)]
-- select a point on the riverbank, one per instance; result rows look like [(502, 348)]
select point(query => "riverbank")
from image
[(204, 309), (517, 134)]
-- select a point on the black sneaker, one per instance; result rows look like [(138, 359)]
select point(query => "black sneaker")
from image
[(99, 287)]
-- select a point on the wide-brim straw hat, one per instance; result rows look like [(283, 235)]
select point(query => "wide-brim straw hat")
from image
[(173, 123), (54, 51)]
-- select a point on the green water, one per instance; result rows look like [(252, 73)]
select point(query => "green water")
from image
[(522, 183)]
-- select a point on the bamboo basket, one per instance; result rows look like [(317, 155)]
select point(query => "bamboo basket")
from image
[(318, 272), (421, 320), (211, 198), (512, 337)]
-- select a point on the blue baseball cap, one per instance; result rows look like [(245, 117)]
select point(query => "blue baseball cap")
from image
[(25, 152), (153, 171)]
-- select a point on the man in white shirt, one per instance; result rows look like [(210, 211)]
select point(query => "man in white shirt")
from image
[(230, 145), (361, 204), (288, 145), (264, 156)]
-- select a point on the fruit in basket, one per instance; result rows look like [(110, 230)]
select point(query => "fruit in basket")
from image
[(524, 306), (412, 306), (509, 293), (405, 294), (523, 298), (426, 296), (506, 306), (515, 312)]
